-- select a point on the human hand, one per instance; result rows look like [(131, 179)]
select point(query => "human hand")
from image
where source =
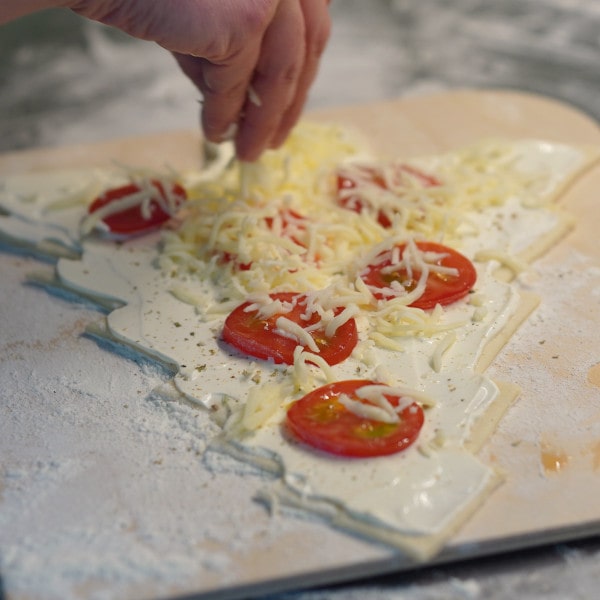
[(253, 60)]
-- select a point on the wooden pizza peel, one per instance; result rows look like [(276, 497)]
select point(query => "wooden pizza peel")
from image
[(547, 445)]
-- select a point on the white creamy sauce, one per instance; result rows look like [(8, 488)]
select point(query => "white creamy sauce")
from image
[(417, 492), (411, 492)]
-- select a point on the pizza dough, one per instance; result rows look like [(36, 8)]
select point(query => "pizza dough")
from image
[(174, 317)]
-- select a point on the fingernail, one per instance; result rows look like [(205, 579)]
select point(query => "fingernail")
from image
[(248, 154), (229, 133), (277, 141)]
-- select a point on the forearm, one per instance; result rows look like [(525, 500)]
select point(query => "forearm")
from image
[(13, 9)]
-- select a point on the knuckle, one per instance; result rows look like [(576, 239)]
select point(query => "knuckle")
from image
[(287, 73), (280, 74), (253, 17), (234, 26), (220, 48), (247, 21)]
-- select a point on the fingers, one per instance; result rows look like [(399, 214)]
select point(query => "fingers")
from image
[(253, 60), (252, 84), (318, 28), (275, 79), (224, 89), (288, 63), (223, 64)]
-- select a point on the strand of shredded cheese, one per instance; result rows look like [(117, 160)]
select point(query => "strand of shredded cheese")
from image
[(447, 341)]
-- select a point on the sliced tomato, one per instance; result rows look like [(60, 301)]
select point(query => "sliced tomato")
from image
[(374, 177), (320, 420), (440, 288), (131, 220), (258, 337)]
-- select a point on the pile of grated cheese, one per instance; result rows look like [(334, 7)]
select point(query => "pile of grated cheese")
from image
[(279, 226), (248, 216)]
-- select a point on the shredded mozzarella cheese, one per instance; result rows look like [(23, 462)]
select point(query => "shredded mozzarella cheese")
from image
[(444, 345), (289, 329), (261, 404), (282, 225)]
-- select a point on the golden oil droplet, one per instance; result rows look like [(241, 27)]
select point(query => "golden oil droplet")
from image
[(594, 375), (553, 459)]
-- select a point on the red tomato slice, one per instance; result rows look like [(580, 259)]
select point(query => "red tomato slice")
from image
[(440, 288), (373, 176), (257, 337), (131, 220), (321, 421)]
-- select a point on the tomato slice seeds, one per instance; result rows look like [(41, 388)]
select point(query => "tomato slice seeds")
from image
[(322, 421), (444, 286)]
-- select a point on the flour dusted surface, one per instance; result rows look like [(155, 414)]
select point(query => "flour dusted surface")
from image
[(79, 429)]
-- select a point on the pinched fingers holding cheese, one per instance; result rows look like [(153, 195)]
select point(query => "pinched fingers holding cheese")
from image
[(253, 60)]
